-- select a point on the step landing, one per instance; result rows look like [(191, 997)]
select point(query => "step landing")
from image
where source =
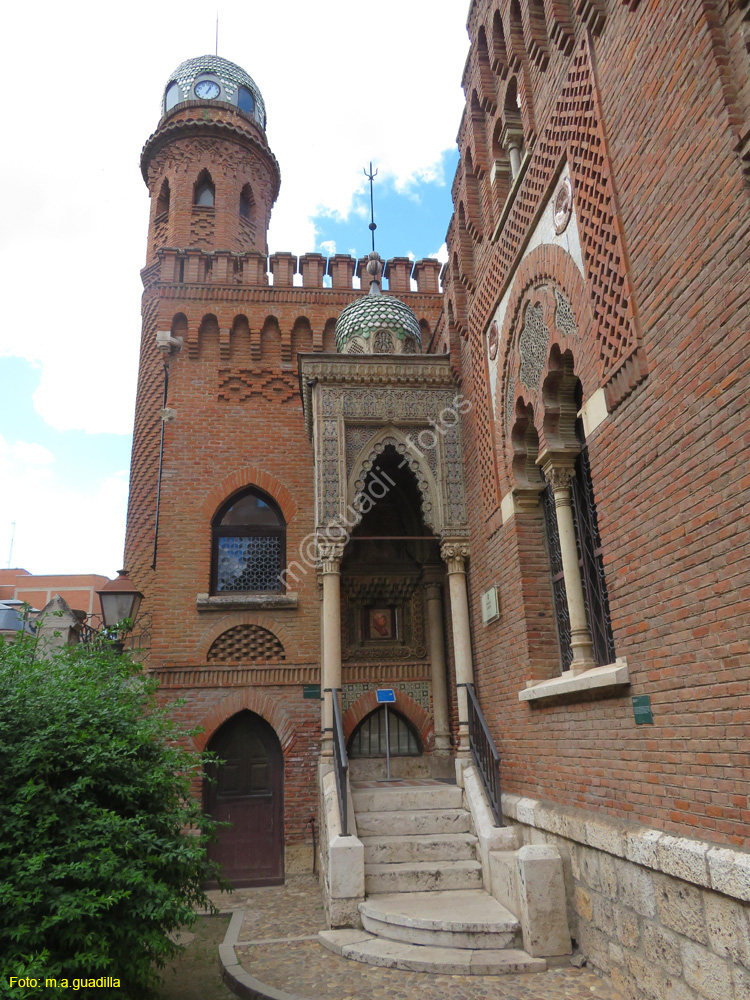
[(363, 947), (452, 919)]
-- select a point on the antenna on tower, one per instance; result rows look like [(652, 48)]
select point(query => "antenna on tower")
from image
[(217, 32), (371, 177)]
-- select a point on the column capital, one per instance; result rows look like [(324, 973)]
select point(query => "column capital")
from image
[(558, 467), (330, 554), (454, 552)]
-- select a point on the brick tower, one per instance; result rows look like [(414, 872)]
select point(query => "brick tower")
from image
[(222, 480)]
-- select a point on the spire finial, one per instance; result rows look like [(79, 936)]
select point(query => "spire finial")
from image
[(371, 177)]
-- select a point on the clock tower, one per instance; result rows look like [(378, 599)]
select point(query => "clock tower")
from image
[(222, 508)]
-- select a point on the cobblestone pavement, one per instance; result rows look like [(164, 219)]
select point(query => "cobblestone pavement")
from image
[(278, 946)]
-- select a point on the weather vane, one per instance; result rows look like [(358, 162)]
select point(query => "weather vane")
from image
[(371, 177)]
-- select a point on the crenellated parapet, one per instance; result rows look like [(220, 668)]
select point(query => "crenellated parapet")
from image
[(196, 266)]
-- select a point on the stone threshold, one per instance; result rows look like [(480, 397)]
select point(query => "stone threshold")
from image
[(723, 869)]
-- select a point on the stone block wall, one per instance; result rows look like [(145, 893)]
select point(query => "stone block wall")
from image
[(665, 918)]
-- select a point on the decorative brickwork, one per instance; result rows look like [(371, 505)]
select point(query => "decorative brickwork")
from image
[(237, 385), (246, 644), (575, 133)]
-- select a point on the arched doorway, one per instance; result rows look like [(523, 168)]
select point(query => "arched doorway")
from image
[(247, 791)]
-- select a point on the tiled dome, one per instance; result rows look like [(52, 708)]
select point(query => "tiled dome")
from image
[(230, 76), (373, 313)]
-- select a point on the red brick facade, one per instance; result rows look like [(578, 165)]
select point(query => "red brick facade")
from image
[(647, 106), (234, 420), (640, 303)]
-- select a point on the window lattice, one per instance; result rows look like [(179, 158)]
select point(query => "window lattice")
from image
[(532, 345), (564, 316), (409, 347), (246, 644), (248, 563), (354, 347)]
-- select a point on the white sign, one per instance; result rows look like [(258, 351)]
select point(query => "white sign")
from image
[(490, 606)]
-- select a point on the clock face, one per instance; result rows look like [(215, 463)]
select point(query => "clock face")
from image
[(207, 90)]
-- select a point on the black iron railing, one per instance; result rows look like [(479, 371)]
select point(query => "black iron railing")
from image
[(340, 763), (485, 755)]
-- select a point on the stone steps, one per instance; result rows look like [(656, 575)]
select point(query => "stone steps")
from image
[(430, 847), (409, 798), (363, 947), (422, 876), (445, 919), (393, 823)]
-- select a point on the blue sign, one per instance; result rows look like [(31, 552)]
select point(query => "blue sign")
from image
[(386, 696)]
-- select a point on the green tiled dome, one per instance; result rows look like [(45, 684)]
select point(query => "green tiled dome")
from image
[(371, 313), (229, 75)]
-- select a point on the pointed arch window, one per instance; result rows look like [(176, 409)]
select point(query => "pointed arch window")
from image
[(249, 545), (369, 740), (204, 192)]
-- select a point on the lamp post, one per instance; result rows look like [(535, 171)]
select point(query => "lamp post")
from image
[(120, 600)]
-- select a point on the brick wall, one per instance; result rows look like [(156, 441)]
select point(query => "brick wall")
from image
[(667, 106)]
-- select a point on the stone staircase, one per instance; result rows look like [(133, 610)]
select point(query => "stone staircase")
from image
[(425, 908)]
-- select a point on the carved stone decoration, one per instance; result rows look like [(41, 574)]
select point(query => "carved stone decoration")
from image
[(493, 340), (357, 436), (330, 481), (564, 320), (510, 397), (330, 553), (454, 553), (453, 478), (563, 207), (364, 405), (533, 345)]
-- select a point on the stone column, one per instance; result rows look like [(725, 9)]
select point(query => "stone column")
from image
[(454, 554), (434, 597), (329, 554), (559, 470), (512, 140)]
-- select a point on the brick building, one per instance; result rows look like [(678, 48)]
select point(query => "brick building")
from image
[(566, 534)]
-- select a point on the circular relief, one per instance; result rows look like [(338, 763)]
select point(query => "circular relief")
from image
[(493, 340), (563, 208)]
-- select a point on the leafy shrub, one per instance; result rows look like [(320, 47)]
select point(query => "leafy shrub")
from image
[(101, 849)]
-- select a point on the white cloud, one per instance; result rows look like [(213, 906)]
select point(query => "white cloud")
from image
[(59, 527), (328, 247), (441, 254)]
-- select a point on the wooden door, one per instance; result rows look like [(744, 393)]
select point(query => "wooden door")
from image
[(248, 793)]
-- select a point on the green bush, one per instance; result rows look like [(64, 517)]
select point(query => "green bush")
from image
[(102, 849)]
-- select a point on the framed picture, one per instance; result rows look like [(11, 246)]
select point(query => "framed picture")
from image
[(380, 624)]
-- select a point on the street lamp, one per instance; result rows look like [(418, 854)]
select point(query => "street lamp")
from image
[(119, 600)]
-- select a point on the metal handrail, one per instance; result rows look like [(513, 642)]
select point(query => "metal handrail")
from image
[(340, 763), (485, 755)]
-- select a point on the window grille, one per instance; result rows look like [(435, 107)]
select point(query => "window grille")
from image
[(590, 564), (591, 561), (368, 739), (249, 545)]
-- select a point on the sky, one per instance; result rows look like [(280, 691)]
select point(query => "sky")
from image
[(344, 84)]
